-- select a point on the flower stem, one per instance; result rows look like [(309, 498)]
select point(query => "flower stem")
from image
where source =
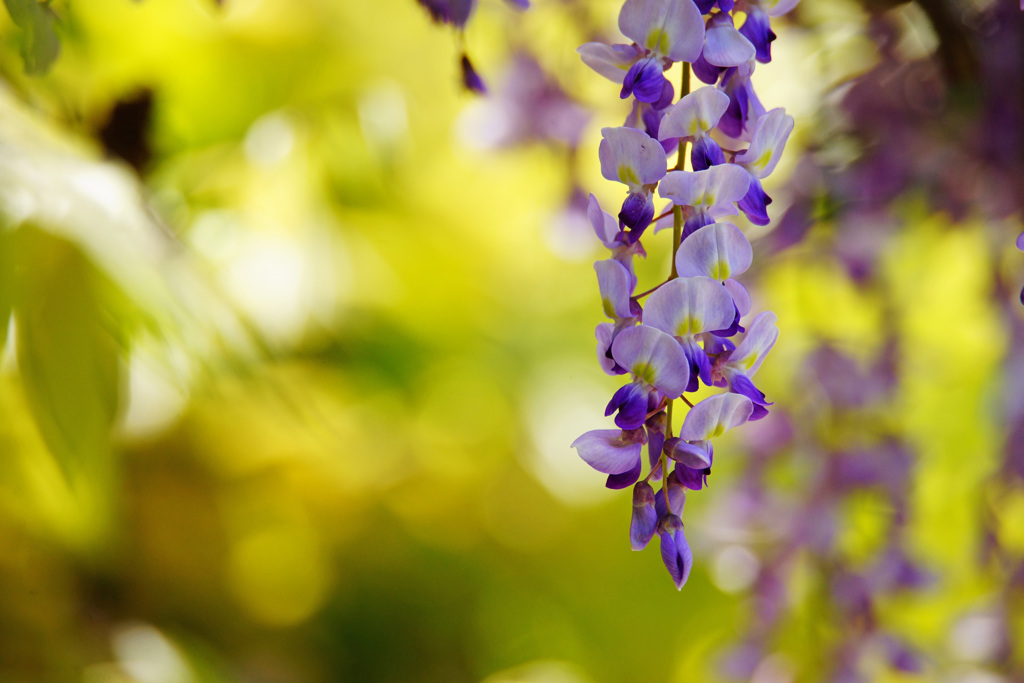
[(677, 211)]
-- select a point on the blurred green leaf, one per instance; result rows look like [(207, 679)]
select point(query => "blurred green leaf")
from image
[(41, 44), (67, 359), (5, 286)]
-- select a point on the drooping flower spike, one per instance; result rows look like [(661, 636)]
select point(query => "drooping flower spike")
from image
[(684, 334)]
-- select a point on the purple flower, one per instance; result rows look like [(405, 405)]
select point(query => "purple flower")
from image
[(744, 361), (637, 160), (644, 521), (675, 551), (709, 194), (686, 307), (657, 364), (692, 118), (673, 29), (723, 44), (613, 452), (757, 29), (718, 251)]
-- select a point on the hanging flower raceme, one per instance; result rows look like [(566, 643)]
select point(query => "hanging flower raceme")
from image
[(686, 332)]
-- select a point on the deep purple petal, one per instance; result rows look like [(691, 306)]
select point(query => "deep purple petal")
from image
[(625, 479), (691, 478), (645, 80), (755, 203), (636, 214), (675, 551), (757, 29), (630, 401), (644, 522), (705, 153), (655, 436), (741, 384), (705, 71)]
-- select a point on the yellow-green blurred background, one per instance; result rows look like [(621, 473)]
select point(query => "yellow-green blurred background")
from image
[(295, 404)]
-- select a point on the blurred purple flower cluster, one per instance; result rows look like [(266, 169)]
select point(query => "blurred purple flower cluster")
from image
[(805, 525), (457, 13), (944, 128), (685, 335)]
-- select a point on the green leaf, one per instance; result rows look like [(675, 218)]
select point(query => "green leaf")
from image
[(5, 285), (67, 358), (41, 45)]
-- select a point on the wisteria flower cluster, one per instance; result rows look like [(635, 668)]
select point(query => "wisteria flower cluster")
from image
[(690, 330)]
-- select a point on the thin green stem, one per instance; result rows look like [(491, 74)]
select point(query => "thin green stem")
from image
[(677, 212), (664, 458)]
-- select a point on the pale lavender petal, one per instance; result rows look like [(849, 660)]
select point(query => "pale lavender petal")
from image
[(694, 114), (718, 251), (767, 142), (726, 185), (614, 282), (670, 28), (632, 157), (724, 45), (605, 226), (607, 451), (1020, 241), (689, 305), (694, 456), (757, 342), (714, 190), (714, 416), (611, 61), (605, 334), (740, 296), (653, 357), (684, 188)]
